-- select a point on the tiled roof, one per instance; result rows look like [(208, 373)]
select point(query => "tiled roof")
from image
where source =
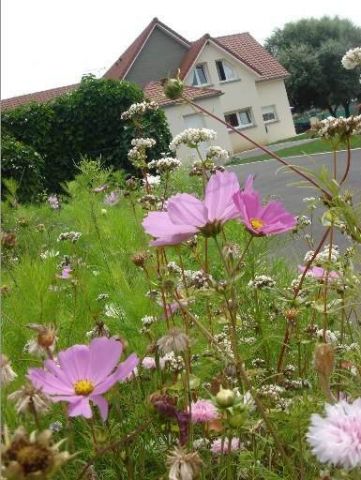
[(191, 55), (121, 66), (154, 91), (41, 97), (247, 49)]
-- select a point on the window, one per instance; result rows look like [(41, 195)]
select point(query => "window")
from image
[(225, 71), (242, 118), (200, 75), (269, 114)]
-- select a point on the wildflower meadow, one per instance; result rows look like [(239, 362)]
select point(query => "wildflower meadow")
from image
[(149, 330)]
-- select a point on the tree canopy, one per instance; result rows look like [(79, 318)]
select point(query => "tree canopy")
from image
[(311, 50)]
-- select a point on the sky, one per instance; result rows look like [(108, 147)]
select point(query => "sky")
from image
[(51, 43)]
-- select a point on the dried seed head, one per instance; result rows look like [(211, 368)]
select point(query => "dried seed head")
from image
[(45, 340), (7, 374), (139, 259), (8, 240), (28, 399), (27, 456), (291, 314), (183, 465), (174, 341)]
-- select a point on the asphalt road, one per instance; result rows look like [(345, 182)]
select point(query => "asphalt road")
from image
[(279, 184)]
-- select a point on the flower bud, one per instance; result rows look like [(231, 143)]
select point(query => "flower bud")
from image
[(324, 358), (139, 259), (225, 398), (173, 88)]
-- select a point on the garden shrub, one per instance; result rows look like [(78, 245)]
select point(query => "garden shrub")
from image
[(23, 164), (85, 122)]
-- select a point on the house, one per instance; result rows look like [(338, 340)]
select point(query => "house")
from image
[(232, 76)]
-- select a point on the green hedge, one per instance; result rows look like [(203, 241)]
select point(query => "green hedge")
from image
[(85, 122), (23, 164)]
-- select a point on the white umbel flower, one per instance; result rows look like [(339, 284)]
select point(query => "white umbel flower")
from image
[(192, 137), (352, 58)]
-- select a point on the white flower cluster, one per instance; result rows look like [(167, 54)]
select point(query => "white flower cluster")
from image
[(303, 221), (138, 109), (166, 164), (343, 127), (113, 311), (271, 391), (151, 180), (143, 142), (192, 137), (148, 320), (217, 153), (49, 254), (262, 281), (352, 58), (174, 268), (324, 255), (330, 336), (137, 154), (72, 236), (174, 362), (197, 279)]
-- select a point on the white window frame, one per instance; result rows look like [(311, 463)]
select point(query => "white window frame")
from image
[(272, 109), (227, 63), (206, 74), (241, 125)]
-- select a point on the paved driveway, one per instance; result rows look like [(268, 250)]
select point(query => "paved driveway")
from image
[(280, 184)]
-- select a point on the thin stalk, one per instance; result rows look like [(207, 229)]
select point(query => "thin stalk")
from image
[(348, 162), (261, 147)]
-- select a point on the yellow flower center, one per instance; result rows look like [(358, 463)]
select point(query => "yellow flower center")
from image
[(83, 387), (257, 223)]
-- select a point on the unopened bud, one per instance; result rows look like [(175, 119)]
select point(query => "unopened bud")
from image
[(173, 88), (225, 397), (139, 259), (324, 358), (291, 314)]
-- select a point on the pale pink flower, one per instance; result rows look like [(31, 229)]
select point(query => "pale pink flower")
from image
[(336, 438), (53, 201), (148, 363), (112, 198), (83, 374), (186, 215), (101, 188), (319, 273), (203, 411), (260, 220), (226, 445)]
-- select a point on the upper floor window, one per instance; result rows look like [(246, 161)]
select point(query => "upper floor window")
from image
[(225, 70), (241, 118), (269, 113), (200, 75)]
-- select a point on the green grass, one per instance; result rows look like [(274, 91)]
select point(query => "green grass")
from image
[(301, 136), (102, 263), (318, 146)]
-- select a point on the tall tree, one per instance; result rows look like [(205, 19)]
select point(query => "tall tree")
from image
[(311, 50)]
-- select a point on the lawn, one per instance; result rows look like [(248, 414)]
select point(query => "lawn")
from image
[(318, 146)]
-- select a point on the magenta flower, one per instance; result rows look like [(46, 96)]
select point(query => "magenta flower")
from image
[(65, 273), (336, 438), (203, 411), (187, 215), (84, 373), (226, 445), (319, 273), (259, 219)]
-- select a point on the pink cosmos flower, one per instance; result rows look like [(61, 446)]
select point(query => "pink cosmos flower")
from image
[(187, 215), (203, 411), (226, 445), (336, 438), (319, 273), (269, 219), (83, 374), (148, 363), (65, 273)]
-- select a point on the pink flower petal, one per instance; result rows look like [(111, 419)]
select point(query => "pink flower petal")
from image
[(48, 383), (219, 196), (75, 362), (80, 408), (185, 209), (158, 224), (171, 240), (127, 366), (102, 404), (104, 356)]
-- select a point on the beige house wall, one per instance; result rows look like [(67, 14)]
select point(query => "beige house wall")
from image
[(177, 118), (246, 91)]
